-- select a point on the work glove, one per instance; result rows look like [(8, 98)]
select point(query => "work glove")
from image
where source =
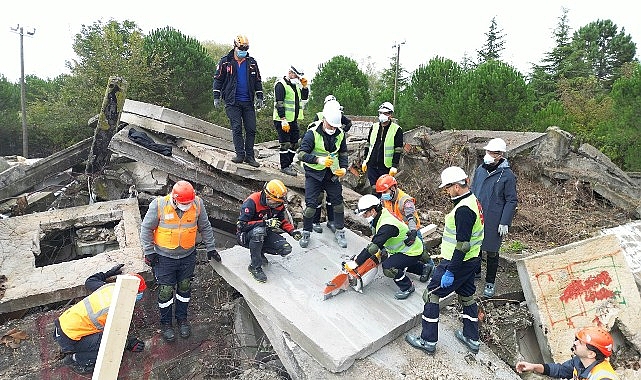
[(216, 103), (393, 171), (259, 103), (213, 254), (117, 269), (151, 259), (411, 237), (364, 168), (326, 161), (135, 345), (340, 172), (284, 125), (297, 235), (303, 82), (272, 223), (447, 279), (503, 230)]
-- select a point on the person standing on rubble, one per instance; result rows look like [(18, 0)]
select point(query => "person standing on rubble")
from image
[(403, 207), (168, 238), (79, 329), (237, 81), (460, 248), (323, 152), (590, 360), (290, 95), (261, 214), (494, 185), (385, 145), (390, 235)]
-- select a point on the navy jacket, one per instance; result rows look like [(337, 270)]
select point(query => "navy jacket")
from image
[(225, 79)]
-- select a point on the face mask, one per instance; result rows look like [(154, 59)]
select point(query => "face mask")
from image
[(487, 159), (386, 196), (241, 54), (295, 81), (271, 204), (369, 219), (138, 297), (330, 132), (183, 207), (382, 118)]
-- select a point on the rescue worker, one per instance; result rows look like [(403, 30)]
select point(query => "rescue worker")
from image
[(237, 81), (260, 215), (78, 330), (494, 185), (590, 360), (389, 235), (403, 207), (290, 94), (168, 238), (346, 123), (385, 145), (323, 151), (460, 248)]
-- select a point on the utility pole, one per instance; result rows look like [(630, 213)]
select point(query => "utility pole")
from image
[(398, 52), (25, 140)]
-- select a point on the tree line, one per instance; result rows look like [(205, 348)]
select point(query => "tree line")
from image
[(589, 84)]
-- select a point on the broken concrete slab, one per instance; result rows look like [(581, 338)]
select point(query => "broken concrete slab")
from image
[(581, 284), (629, 236), (29, 285)]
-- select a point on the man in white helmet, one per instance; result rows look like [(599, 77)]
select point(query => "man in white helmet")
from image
[(323, 152), (346, 123), (494, 185), (460, 249), (385, 145)]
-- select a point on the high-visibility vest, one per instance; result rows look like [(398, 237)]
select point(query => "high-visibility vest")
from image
[(396, 207), (448, 243), (173, 231), (396, 244), (388, 144), (289, 102), (600, 371), (319, 148), (89, 315)]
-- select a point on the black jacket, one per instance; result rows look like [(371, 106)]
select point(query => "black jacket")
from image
[(225, 79)]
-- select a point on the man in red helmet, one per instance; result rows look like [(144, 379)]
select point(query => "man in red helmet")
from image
[(592, 349), (168, 238), (78, 330)]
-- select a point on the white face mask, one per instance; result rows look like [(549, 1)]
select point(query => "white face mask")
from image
[(487, 159), (329, 131), (183, 207), (370, 219), (295, 81), (382, 117)]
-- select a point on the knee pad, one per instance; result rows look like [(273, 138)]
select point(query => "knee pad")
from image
[(258, 234), (390, 272), (285, 146), (491, 254), (165, 293), (184, 285), (430, 298), (339, 209), (286, 250), (466, 300), (309, 212)]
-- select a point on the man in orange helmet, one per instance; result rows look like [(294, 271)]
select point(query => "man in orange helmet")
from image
[(592, 349), (261, 214), (168, 238), (78, 330)]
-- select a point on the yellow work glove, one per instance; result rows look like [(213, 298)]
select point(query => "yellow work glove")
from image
[(364, 168), (303, 82), (393, 171), (284, 125), (325, 161), (340, 172)]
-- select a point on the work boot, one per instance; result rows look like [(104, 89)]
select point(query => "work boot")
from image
[(317, 228), (168, 333), (418, 342), (258, 273), (489, 290), (184, 329), (289, 171), (304, 241), (68, 360), (238, 159), (401, 295), (82, 368), (340, 238), (472, 345), (251, 161), (264, 259), (427, 272), (332, 226)]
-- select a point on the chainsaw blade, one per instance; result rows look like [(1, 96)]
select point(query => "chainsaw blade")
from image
[(336, 285)]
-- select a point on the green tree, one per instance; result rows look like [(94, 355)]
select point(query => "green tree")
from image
[(341, 77), (585, 103), (494, 44), (385, 88), (10, 126)]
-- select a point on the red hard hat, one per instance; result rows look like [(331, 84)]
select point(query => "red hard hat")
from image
[(384, 182), (183, 192), (143, 285), (597, 337)]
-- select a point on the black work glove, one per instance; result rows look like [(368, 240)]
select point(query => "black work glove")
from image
[(135, 345), (116, 269), (259, 103), (213, 254), (151, 259), (297, 235), (411, 237)]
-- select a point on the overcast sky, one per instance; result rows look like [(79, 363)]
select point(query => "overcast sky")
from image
[(306, 34)]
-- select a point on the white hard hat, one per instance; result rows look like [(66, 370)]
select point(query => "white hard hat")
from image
[(332, 113), (367, 202), (386, 107), (328, 98), (452, 174), (496, 145), (299, 73)]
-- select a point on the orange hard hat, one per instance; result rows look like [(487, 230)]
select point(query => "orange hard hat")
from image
[(597, 337), (275, 190), (241, 41), (384, 182), (183, 192), (142, 285)]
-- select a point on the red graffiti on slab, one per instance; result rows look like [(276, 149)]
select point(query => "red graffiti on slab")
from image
[(590, 289)]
